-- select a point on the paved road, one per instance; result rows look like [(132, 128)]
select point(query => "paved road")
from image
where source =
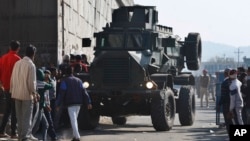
[(139, 128)]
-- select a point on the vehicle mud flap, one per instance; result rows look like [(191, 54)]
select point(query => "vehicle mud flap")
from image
[(186, 106), (163, 111), (88, 119)]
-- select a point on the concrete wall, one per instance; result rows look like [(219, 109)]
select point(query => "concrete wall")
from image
[(79, 19)]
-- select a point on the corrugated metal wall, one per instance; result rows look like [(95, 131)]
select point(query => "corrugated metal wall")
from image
[(55, 27), (30, 22), (24, 19)]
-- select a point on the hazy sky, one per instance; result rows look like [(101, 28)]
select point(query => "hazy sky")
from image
[(220, 21)]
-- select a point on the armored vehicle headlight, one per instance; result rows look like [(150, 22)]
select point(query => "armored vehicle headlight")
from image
[(85, 84), (149, 85)]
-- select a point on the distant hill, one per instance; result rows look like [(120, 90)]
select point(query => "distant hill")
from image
[(212, 49)]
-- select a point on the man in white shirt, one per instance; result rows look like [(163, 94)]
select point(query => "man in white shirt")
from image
[(23, 89), (236, 100)]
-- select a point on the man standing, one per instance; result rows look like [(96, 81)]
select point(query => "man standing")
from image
[(236, 101), (204, 81), (6, 65), (72, 94), (225, 98), (23, 89)]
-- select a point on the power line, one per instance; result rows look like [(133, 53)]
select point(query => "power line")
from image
[(238, 52)]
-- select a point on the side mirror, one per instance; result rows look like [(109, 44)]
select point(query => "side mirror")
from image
[(86, 42)]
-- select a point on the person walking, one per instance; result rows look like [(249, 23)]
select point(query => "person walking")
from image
[(6, 66), (224, 101), (204, 81), (52, 77), (72, 94), (42, 86), (236, 101), (50, 97), (23, 90)]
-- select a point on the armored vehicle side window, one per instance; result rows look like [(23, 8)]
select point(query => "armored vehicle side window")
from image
[(169, 51), (112, 41), (116, 40), (173, 51), (134, 41)]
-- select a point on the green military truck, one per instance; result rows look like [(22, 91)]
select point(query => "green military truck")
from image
[(137, 69)]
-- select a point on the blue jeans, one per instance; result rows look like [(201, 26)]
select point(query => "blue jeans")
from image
[(41, 120), (51, 130)]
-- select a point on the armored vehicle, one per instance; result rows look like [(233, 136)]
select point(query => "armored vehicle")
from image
[(138, 70)]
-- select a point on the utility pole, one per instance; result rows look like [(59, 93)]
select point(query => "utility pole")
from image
[(238, 52)]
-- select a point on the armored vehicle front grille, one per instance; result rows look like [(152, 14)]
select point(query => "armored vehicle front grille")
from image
[(116, 71)]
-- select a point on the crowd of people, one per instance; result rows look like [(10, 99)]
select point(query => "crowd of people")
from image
[(35, 96), (235, 97)]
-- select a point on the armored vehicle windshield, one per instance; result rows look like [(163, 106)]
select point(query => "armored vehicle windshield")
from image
[(118, 41)]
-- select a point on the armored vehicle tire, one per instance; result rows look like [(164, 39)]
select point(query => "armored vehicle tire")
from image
[(186, 106), (163, 111), (119, 120), (193, 51), (87, 119)]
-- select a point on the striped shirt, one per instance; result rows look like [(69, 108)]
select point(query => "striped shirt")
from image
[(23, 79)]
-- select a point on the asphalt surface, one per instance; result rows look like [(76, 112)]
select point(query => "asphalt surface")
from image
[(139, 128)]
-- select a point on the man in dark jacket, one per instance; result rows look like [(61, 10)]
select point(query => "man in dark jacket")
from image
[(72, 94), (225, 98)]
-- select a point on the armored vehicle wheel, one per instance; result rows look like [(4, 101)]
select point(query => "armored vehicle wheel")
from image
[(193, 51), (186, 106), (163, 111), (119, 120), (87, 119)]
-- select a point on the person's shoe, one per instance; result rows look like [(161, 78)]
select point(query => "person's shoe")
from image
[(4, 135), (14, 136), (32, 138)]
